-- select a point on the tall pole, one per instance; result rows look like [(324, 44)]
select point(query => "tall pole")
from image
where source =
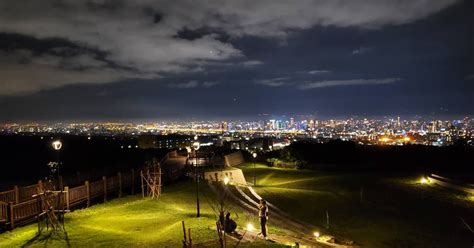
[(254, 155), (197, 184), (57, 145), (254, 175), (57, 170)]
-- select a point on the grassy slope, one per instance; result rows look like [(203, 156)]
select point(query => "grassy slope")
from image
[(396, 211), (133, 222)]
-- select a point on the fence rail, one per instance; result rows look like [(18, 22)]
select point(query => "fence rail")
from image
[(3, 212), (24, 212), (76, 195), (25, 193), (8, 196), (17, 206)]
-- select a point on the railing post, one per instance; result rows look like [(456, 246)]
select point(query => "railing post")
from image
[(11, 215), (88, 190), (120, 184), (133, 181), (105, 188), (66, 189), (40, 187), (17, 194)]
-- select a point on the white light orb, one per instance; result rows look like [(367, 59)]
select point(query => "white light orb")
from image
[(57, 145), (250, 227)]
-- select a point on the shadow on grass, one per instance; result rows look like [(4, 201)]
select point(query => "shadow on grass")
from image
[(46, 238), (193, 215)]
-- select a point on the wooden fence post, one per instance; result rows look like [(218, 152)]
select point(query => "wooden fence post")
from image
[(11, 215), (120, 184), (105, 188), (17, 194), (88, 190), (66, 189), (133, 181), (40, 187)]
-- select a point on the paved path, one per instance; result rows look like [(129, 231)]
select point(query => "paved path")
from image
[(295, 231)]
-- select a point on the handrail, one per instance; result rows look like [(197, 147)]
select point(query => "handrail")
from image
[(7, 196), (3, 212)]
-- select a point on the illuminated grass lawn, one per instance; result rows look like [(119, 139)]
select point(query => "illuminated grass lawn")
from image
[(396, 211), (133, 222)]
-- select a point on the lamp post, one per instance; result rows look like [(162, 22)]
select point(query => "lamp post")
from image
[(254, 155), (57, 145), (196, 146)]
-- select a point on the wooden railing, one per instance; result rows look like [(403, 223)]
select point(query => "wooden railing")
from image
[(18, 205), (96, 189), (112, 183), (9, 196), (3, 212), (25, 193), (24, 212), (76, 195)]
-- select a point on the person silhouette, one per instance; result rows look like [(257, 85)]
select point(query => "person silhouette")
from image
[(263, 215)]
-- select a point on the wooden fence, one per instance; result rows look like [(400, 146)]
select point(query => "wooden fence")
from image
[(17, 206), (3, 212)]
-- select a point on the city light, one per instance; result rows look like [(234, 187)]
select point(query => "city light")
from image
[(316, 234), (385, 131)]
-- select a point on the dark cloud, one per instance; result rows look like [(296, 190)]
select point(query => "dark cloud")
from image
[(350, 82), (146, 39)]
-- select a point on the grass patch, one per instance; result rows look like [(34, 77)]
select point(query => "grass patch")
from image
[(395, 211), (135, 222)]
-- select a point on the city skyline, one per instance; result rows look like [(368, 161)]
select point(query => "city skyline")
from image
[(125, 61)]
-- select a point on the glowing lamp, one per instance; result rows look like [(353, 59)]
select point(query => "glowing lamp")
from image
[(424, 180), (254, 155), (226, 180), (196, 145), (316, 234), (250, 227), (57, 144)]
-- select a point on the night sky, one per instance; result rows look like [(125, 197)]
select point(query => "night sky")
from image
[(65, 60)]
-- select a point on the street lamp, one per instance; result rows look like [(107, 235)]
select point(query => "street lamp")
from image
[(196, 146), (254, 155), (57, 145)]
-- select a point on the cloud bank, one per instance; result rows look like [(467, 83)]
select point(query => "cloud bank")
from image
[(144, 39), (351, 82)]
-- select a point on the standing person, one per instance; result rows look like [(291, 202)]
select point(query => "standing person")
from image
[(263, 214)]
